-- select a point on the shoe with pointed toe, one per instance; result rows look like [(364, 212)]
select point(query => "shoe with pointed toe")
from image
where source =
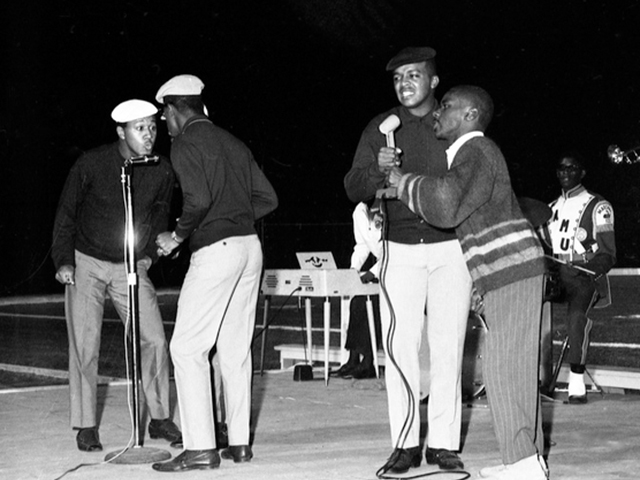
[(88, 440), (445, 459), (190, 460), (402, 459), (237, 453), (167, 430)]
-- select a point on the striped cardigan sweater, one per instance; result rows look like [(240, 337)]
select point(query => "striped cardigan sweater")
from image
[(475, 197)]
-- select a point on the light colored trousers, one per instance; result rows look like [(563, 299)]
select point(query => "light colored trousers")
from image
[(434, 276), (510, 367), (217, 306), (84, 309)]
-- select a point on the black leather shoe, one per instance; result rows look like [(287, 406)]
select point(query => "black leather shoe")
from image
[(166, 429), (237, 453), (344, 370), (577, 399), (402, 459), (445, 459), (88, 440), (190, 460), (363, 371)]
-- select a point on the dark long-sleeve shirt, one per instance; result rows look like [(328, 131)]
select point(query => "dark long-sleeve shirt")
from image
[(422, 154), (91, 212), (224, 190)]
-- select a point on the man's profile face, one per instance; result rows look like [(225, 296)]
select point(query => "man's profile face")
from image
[(448, 118), (169, 116), (569, 173), (415, 87), (139, 135)]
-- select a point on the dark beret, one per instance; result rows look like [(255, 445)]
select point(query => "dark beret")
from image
[(411, 55)]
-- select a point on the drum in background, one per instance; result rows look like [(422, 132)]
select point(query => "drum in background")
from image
[(472, 383)]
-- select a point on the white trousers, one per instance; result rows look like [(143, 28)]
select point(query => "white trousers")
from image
[(435, 277), (217, 306)]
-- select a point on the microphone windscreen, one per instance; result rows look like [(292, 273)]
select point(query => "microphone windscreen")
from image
[(389, 124)]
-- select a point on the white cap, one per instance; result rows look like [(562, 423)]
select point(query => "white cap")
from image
[(133, 110), (180, 85)]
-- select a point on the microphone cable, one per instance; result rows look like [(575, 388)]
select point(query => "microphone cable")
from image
[(404, 432)]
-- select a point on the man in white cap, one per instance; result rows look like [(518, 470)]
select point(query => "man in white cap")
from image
[(224, 194), (88, 253)]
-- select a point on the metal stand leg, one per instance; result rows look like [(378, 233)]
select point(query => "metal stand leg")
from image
[(372, 335), (556, 371), (265, 326), (597, 387)]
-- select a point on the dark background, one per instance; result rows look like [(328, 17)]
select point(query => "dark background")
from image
[(298, 80)]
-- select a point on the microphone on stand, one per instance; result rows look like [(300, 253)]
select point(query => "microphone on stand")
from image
[(387, 128), (142, 159)]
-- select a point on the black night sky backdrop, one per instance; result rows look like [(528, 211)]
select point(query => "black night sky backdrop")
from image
[(298, 80)]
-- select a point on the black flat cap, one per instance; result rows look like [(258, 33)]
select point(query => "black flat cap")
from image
[(411, 55)]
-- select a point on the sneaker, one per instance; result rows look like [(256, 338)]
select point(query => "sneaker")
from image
[(530, 468)]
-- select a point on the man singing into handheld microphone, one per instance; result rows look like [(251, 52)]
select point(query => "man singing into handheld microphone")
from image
[(89, 254), (425, 272), (506, 262)]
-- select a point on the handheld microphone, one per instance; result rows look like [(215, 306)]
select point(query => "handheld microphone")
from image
[(142, 159), (388, 126)]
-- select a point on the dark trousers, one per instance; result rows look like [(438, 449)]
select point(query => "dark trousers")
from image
[(580, 295), (358, 338)]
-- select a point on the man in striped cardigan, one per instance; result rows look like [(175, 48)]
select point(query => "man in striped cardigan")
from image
[(506, 262)]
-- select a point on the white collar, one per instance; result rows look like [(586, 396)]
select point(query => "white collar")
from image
[(455, 146)]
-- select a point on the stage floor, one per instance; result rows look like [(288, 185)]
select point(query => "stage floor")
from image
[(301, 430), (306, 430)]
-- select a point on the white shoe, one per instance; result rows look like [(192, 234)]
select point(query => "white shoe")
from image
[(530, 468)]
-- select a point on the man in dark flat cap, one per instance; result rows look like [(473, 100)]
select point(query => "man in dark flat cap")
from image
[(88, 253), (425, 272)]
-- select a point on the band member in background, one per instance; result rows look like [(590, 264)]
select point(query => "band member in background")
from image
[(581, 235), (425, 271), (224, 194), (367, 250), (506, 261), (88, 253)]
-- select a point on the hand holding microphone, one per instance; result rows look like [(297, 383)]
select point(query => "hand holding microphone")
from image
[(389, 156)]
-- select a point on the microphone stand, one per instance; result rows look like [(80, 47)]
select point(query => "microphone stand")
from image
[(136, 453)]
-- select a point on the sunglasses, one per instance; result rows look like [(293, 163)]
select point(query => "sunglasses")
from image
[(568, 168)]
